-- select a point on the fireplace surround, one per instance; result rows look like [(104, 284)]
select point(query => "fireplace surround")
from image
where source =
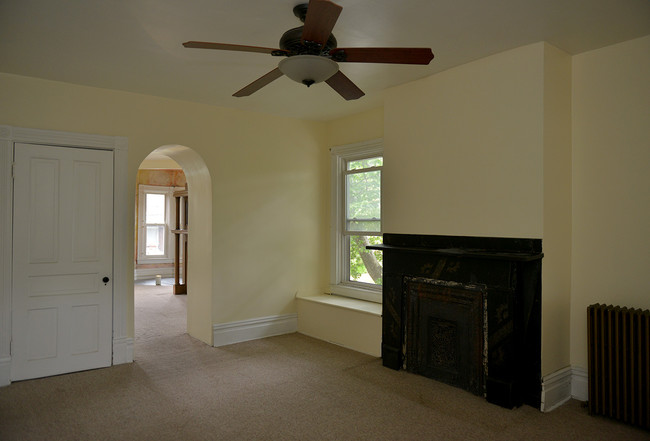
[(466, 311)]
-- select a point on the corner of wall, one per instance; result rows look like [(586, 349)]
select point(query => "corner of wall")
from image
[(563, 385), (610, 181), (557, 208)]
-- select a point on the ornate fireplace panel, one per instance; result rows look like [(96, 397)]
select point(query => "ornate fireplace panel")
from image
[(446, 329)]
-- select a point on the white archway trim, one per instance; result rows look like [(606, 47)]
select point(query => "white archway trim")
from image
[(122, 344)]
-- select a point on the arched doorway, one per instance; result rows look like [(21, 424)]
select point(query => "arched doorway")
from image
[(199, 280)]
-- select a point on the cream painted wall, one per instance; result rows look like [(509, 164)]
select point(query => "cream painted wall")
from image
[(266, 175), (364, 126), (611, 183), (556, 265), (270, 188), (463, 149)]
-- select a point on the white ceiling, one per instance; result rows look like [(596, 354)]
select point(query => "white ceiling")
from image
[(135, 45)]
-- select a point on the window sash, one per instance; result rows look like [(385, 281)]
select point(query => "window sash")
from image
[(154, 217), (372, 208), (159, 230)]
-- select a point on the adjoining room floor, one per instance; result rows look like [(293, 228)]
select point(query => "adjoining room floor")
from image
[(165, 281), (159, 317)]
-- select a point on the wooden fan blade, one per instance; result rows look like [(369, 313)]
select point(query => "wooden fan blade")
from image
[(259, 83), (344, 86), (397, 55), (230, 47), (320, 20)]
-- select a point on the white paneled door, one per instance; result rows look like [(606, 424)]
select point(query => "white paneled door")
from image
[(62, 260)]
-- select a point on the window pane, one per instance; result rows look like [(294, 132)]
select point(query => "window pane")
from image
[(155, 242), (363, 197), (155, 208), (365, 265), (365, 163)]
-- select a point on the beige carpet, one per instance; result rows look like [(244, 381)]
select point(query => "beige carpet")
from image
[(290, 387)]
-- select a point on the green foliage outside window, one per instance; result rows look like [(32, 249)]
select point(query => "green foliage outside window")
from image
[(363, 197), (358, 269)]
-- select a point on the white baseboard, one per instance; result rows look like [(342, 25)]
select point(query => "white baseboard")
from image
[(122, 350), (556, 389), (150, 273), (5, 371), (245, 330), (560, 386), (579, 384)]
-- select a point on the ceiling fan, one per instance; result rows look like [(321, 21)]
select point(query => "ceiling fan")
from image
[(311, 54)]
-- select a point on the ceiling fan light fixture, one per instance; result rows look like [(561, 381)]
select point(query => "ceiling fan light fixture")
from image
[(308, 69)]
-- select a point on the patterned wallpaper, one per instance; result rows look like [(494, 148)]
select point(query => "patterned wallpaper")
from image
[(162, 177)]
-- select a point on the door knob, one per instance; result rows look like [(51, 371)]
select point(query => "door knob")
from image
[(105, 280)]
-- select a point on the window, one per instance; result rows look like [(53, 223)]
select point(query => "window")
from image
[(155, 225), (154, 218), (356, 220)]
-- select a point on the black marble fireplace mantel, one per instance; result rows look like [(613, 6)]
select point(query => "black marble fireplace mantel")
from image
[(508, 271)]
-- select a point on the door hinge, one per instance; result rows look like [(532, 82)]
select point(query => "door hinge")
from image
[(13, 170)]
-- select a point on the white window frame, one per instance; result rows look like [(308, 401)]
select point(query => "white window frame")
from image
[(339, 265), (168, 257)]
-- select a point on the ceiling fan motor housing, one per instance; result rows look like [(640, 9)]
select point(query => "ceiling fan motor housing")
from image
[(292, 42)]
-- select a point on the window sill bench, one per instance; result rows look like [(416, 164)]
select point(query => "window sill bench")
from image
[(362, 306), (347, 322)]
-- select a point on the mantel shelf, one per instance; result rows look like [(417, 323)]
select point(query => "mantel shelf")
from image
[(461, 252)]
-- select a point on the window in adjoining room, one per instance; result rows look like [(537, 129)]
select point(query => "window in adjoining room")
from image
[(154, 232)]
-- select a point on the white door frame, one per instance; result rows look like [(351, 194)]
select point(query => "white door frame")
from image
[(122, 344)]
